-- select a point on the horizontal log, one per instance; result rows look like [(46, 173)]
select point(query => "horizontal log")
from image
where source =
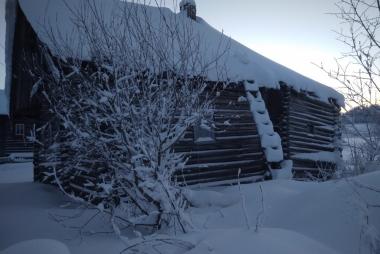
[(218, 158), (221, 165), (223, 133), (221, 177), (310, 118), (329, 111), (253, 144), (220, 141), (295, 106), (302, 132), (310, 163), (236, 127), (213, 167), (306, 139), (207, 153), (293, 120), (304, 113), (225, 182), (305, 98), (294, 143), (233, 111), (295, 150)]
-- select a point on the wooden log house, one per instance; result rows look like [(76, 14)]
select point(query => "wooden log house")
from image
[(304, 114)]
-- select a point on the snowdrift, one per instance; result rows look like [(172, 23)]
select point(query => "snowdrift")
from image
[(291, 217)]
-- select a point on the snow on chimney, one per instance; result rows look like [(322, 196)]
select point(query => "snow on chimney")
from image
[(189, 7)]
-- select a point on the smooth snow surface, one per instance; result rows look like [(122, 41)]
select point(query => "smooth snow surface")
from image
[(16, 173), (285, 172), (238, 62), (265, 241), (330, 213), (292, 217), (37, 246)]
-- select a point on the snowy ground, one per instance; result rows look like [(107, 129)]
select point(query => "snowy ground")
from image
[(16, 173), (292, 217), (353, 135)]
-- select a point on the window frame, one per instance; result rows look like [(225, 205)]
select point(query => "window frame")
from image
[(19, 129), (200, 132)]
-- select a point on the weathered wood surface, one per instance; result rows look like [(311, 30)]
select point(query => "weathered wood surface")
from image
[(312, 127), (26, 50), (237, 144)]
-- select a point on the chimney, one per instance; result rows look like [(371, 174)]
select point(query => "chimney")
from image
[(189, 7)]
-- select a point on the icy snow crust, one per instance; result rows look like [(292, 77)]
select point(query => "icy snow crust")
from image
[(238, 62)]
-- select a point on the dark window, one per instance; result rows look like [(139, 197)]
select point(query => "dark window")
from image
[(204, 132), (19, 129)]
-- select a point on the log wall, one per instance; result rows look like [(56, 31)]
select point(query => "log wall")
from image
[(26, 49), (236, 146), (309, 126)]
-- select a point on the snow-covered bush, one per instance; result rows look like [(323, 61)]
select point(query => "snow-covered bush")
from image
[(117, 114), (362, 143)]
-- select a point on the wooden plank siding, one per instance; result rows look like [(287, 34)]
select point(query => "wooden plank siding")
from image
[(4, 129)]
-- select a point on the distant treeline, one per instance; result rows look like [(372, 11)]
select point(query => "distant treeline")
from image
[(370, 114)]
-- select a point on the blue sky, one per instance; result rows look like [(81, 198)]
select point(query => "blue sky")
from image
[(294, 33)]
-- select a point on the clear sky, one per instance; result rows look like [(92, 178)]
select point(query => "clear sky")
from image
[(294, 33)]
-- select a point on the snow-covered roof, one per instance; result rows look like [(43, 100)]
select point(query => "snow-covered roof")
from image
[(4, 105), (239, 62)]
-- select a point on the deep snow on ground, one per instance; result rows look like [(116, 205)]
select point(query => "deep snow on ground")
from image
[(296, 217), (354, 141), (38, 246), (16, 173)]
